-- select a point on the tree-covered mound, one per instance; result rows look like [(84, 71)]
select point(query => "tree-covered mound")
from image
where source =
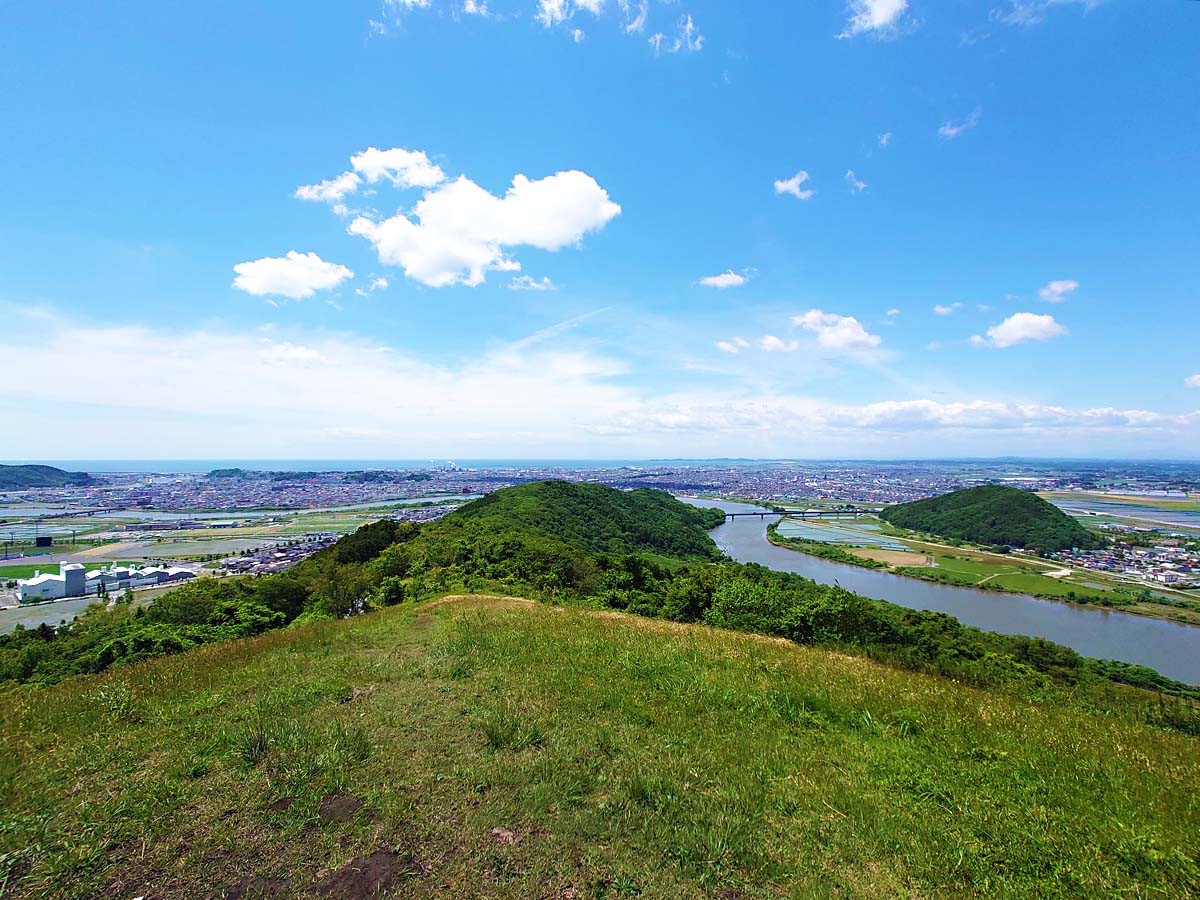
[(994, 514), (20, 478), (593, 518)]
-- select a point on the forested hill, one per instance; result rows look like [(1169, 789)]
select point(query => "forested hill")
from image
[(19, 478), (594, 518), (994, 514)]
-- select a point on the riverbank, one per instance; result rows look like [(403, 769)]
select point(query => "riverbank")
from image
[(986, 576)]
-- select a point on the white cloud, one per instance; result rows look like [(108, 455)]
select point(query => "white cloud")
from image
[(323, 395), (331, 190), (552, 12), (942, 310), (458, 231), (296, 275), (772, 344), (1192, 381), (528, 283), (893, 312), (881, 18), (1021, 327), (471, 8), (837, 332), (856, 184), (885, 139), (950, 130), (726, 279), (403, 168), (555, 12), (1058, 291), (792, 186)]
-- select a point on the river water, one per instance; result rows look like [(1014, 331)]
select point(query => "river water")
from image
[(1171, 648)]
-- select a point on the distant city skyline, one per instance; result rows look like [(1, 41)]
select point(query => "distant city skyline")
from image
[(555, 229)]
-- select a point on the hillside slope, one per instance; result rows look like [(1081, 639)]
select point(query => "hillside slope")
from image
[(19, 478), (994, 514), (491, 747)]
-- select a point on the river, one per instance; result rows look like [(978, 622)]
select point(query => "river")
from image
[(1171, 648)]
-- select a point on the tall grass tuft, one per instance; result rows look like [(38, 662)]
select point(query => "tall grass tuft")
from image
[(505, 728)]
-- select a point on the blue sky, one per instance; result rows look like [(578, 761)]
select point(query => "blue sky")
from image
[(589, 228)]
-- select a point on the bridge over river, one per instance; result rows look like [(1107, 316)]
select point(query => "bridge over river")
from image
[(806, 513)]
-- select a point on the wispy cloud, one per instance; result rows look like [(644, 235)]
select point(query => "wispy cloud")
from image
[(528, 283), (950, 130), (1033, 12), (1058, 291)]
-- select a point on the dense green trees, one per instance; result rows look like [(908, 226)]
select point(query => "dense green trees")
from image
[(18, 478), (994, 514)]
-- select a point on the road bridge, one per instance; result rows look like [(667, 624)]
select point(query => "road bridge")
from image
[(808, 513)]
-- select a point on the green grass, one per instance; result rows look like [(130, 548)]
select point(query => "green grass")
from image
[(506, 749)]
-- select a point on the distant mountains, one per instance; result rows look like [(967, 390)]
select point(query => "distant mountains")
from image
[(19, 478), (994, 514)]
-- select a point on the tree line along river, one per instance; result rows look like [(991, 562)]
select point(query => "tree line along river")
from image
[(1170, 647)]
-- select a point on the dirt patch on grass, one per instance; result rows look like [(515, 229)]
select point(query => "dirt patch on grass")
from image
[(113, 551), (339, 807), (368, 877), (892, 557)]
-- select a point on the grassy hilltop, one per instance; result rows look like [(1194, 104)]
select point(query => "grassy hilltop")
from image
[(491, 747), (994, 514), (447, 746)]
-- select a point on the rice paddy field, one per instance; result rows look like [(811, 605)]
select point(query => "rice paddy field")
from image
[(847, 532)]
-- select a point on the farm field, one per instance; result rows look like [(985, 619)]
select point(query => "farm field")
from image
[(879, 542), (1191, 504)]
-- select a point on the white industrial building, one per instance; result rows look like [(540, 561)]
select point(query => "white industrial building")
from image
[(73, 581)]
